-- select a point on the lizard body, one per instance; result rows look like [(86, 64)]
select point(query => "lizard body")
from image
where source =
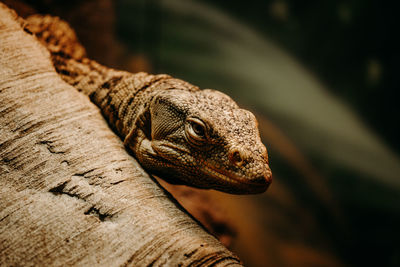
[(175, 130)]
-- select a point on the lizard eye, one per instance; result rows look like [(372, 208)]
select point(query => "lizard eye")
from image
[(196, 131)]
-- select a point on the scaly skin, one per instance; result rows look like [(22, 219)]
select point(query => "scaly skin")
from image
[(175, 130)]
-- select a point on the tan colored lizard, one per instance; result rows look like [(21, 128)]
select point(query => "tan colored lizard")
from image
[(175, 130)]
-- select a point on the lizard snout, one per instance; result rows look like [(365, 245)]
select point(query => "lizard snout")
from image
[(268, 176), (263, 180)]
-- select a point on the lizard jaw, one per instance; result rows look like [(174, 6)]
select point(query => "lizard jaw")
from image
[(228, 181), (237, 183)]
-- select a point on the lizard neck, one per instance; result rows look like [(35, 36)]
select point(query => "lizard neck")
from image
[(86, 75), (121, 96)]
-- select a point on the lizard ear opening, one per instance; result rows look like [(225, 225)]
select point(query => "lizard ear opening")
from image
[(166, 116)]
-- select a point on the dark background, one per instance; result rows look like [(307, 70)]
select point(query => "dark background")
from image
[(351, 49)]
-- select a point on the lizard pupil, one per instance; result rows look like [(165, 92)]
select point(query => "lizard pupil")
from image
[(237, 158), (198, 129)]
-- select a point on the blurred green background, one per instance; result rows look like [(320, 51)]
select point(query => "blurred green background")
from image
[(322, 76)]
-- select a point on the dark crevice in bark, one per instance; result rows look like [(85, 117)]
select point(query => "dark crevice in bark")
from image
[(213, 260), (82, 174), (117, 182), (65, 162), (25, 129), (61, 189), (50, 147), (96, 212), (188, 255)]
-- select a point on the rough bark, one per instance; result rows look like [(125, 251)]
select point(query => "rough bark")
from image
[(69, 192)]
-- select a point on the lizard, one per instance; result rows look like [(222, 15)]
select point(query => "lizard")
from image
[(175, 130)]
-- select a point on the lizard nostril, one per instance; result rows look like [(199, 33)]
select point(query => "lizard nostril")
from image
[(236, 158)]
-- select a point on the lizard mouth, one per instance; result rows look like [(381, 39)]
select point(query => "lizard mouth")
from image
[(237, 182), (227, 181)]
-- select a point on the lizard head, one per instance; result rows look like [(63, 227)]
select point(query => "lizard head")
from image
[(203, 139)]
